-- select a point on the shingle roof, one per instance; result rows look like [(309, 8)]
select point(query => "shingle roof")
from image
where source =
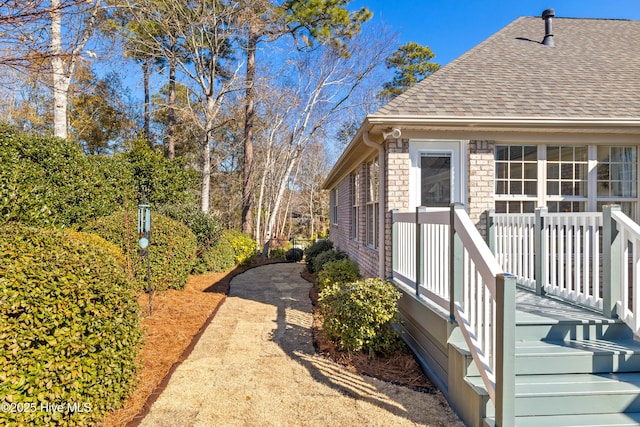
[(592, 72)]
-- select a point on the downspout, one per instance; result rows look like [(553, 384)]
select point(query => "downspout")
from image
[(382, 259)]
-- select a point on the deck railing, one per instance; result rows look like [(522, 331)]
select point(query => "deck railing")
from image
[(588, 258), (621, 277), (441, 256)]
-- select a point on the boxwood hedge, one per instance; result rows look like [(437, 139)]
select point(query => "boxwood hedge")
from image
[(172, 249), (69, 327)]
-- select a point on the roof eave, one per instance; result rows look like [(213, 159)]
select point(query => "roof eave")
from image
[(375, 125)]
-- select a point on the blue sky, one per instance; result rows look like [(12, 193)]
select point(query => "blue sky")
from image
[(451, 27)]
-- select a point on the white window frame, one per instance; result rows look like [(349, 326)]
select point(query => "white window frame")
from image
[(354, 178), (372, 204), (592, 199), (457, 149), (334, 206)]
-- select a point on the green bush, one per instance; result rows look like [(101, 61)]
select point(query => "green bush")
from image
[(50, 181), (316, 249), (172, 248), (219, 257), (358, 316), (278, 253), (163, 181), (294, 255), (339, 271), (69, 326), (327, 256), (207, 229), (244, 247)]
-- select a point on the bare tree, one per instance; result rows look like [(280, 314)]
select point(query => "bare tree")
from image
[(202, 37), (322, 87), (54, 32)]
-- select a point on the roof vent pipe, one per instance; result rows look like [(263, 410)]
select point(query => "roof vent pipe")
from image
[(548, 15)]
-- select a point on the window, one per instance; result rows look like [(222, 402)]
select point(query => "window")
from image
[(435, 179), (372, 203), (516, 178), (617, 177), (355, 206), (566, 178), (334, 206)]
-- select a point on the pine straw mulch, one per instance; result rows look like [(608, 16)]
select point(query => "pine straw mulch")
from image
[(399, 368), (179, 318)]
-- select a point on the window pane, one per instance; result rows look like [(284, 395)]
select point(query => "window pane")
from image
[(553, 153), (515, 152), (502, 170), (553, 171), (435, 172), (501, 207), (531, 188), (502, 152), (581, 154), (531, 153), (530, 170)]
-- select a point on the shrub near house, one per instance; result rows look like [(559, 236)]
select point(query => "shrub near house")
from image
[(69, 327)]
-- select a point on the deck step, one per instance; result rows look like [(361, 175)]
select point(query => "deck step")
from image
[(576, 357), (588, 420), (574, 394), (577, 330)]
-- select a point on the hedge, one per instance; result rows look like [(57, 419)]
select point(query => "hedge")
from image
[(50, 181), (172, 248), (69, 327), (359, 316)]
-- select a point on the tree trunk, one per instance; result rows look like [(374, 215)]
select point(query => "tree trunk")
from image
[(171, 113), (247, 163), (281, 187), (206, 154), (60, 78), (147, 107)]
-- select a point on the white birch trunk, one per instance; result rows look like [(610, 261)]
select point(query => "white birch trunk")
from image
[(60, 78)]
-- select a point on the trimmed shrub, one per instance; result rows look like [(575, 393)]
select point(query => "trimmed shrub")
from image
[(294, 255), (339, 271), (163, 181), (219, 257), (327, 256), (316, 249), (69, 326), (207, 229), (47, 181), (244, 247), (359, 316), (172, 248), (278, 253)]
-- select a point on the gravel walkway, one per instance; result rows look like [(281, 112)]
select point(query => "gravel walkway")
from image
[(255, 365)]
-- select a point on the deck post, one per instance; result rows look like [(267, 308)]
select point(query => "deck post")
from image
[(611, 255), (505, 349), (491, 231), (419, 248), (456, 262), (394, 243), (540, 252)]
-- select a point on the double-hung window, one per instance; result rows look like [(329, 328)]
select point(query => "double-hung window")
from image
[(334, 206), (566, 178), (355, 206), (372, 203)]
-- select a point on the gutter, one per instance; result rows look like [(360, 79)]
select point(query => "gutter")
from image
[(381, 203)]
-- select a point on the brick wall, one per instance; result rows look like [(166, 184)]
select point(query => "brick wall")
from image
[(397, 188), (481, 188), (340, 234)]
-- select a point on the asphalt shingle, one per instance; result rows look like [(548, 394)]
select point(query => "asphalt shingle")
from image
[(592, 72)]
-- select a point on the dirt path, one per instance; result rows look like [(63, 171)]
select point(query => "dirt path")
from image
[(256, 365)]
